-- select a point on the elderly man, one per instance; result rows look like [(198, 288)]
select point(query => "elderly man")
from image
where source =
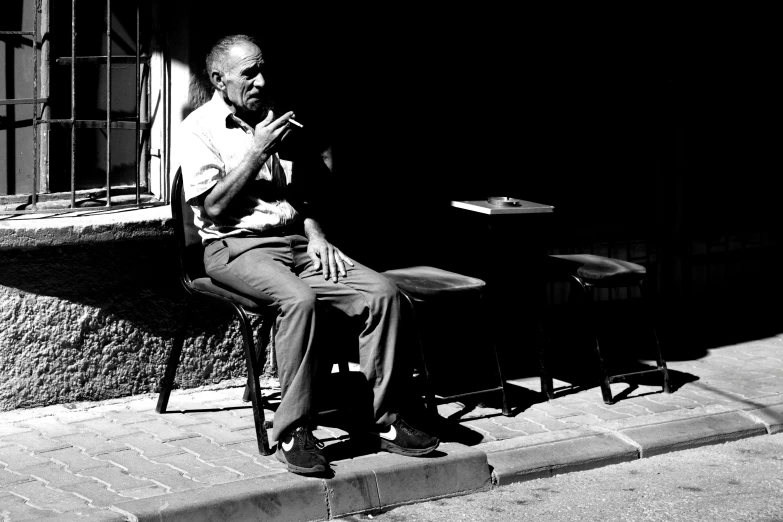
[(260, 242)]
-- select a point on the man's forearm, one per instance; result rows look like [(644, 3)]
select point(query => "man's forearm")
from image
[(225, 192)]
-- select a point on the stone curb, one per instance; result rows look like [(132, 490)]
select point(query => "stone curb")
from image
[(527, 458), (527, 462), (690, 433), (363, 484)]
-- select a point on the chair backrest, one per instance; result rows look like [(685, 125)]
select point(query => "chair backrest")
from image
[(191, 250)]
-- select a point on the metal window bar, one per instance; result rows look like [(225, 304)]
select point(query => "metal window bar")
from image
[(136, 124)]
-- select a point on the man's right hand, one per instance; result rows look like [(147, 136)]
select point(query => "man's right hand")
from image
[(270, 132)]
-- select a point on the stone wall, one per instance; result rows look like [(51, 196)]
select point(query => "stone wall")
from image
[(94, 319)]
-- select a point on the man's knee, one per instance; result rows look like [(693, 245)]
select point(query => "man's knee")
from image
[(301, 299), (384, 290)]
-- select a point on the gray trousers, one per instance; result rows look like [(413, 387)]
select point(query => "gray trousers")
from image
[(279, 267)]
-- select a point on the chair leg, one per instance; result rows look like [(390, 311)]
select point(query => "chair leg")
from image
[(171, 365), (252, 383), (661, 362), (260, 350), (606, 390)]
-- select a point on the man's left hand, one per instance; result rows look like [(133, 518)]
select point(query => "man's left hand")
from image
[(327, 257)]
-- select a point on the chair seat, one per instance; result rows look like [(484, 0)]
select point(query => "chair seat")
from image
[(207, 285), (597, 270), (428, 281)]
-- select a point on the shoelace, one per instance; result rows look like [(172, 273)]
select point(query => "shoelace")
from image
[(308, 442), (404, 426)]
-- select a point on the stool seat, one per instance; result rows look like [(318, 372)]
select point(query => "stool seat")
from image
[(207, 285), (428, 281), (597, 270)]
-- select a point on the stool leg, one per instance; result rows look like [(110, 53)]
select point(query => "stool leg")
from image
[(171, 366), (606, 390), (252, 382), (661, 362), (547, 386), (429, 397), (485, 321)]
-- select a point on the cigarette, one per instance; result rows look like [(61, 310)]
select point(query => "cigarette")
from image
[(291, 120)]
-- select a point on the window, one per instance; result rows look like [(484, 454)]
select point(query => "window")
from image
[(75, 115)]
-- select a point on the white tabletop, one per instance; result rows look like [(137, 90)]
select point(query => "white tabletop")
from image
[(483, 207)]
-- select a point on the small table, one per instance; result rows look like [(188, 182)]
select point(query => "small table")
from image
[(508, 260), (482, 206)]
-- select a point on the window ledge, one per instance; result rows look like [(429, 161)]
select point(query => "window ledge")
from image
[(84, 227)]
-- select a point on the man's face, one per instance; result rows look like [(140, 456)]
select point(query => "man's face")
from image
[(244, 81)]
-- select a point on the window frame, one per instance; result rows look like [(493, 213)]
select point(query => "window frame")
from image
[(151, 136)]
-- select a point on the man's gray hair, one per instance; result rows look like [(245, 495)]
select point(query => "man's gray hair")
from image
[(222, 47)]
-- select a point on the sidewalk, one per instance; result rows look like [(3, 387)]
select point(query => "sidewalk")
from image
[(119, 460)]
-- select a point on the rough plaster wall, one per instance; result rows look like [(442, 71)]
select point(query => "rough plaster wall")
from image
[(91, 322)]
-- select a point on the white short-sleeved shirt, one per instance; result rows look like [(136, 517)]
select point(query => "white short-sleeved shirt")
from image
[(212, 142)]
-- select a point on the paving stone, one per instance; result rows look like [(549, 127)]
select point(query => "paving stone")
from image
[(8, 477), (50, 427), (15, 507), (538, 417), (221, 477), (583, 420), (523, 427), (220, 435), (94, 493), (148, 445), (631, 409), (153, 490), (91, 514), (603, 412), (73, 416), (246, 466), (92, 444), (74, 459), (529, 462), (106, 427), (15, 458), (11, 429), (35, 443), (47, 498), (655, 439), (204, 449), (554, 410), (117, 478), (702, 397), (192, 466), (163, 431), (279, 498), (656, 407), (125, 417), (54, 475), (227, 420), (180, 420)]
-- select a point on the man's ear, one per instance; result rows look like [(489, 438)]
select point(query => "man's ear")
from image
[(216, 77)]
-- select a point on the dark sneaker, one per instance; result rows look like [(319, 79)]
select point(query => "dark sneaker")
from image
[(300, 451), (404, 439)]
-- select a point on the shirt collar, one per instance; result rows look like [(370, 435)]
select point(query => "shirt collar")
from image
[(222, 111)]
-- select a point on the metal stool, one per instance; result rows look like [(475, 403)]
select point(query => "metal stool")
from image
[(420, 284), (587, 272)]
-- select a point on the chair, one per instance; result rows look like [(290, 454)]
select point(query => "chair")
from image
[(420, 284), (200, 286), (587, 272)]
